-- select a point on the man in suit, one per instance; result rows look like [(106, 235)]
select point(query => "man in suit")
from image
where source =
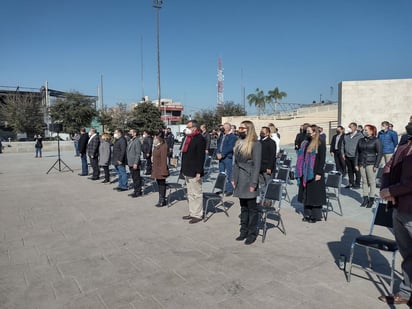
[(224, 153), (133, 160), (93, 153), (147, 151), (336, 150), (84, 138), (193, 158), (120, 159), (268, 159)]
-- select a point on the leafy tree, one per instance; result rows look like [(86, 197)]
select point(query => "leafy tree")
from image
[(275, 95), (23, 112), (208, 117), (120, 117), (146, 116), (213, 118), (105, 119), (74, 111), (257, 99)]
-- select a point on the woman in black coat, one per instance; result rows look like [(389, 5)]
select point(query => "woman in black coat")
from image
[(310, 173), (367, 159)]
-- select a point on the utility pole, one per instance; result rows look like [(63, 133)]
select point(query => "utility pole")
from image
[(157, 4)]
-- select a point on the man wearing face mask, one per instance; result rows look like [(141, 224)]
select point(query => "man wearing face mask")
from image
[(389, 141), (368, 157), (224, 153), (147, 146), (348, 150), (93, 153), (268, 160), (120, 159), (335, 150)]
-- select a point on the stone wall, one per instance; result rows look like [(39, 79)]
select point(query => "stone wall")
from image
[(15, 147), (374, 101)]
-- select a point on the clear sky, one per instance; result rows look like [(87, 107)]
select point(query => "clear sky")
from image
[(304, 47)]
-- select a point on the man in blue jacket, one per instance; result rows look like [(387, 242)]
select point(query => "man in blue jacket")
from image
[(389, 141), (224, 153)]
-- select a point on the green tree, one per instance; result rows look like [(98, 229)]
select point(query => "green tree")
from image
[(105, 119), (23, 112), (275, 95), (74, 111), (146, 116), (213, 117), (257, 99), (207, 117)]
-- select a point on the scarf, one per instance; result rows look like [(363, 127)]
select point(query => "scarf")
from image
[(305, 164), (188, 139)]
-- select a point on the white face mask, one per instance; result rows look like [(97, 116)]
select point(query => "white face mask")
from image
[(188, 131), (90, 134), (116, 135)]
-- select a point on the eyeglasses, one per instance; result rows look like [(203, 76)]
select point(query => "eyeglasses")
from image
[(242, 128)]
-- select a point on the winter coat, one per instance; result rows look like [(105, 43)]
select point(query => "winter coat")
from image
[(368, 152), (314, 194), (93, 146), (105, 153), (268, 155), (159, 166), (246, 172), (84, 138), (134, 151), (119, 151), (194, 158), (389, 141)]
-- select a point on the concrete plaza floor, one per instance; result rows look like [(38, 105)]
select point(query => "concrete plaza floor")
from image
[(69, 242)]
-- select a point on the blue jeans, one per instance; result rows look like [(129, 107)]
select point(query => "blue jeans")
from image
[(85, 169), (225, 166), (121, 171), (76, 148), (38, 152)]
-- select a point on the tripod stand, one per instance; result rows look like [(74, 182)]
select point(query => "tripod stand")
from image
[(59, 160)]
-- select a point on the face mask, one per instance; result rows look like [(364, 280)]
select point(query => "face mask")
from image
[(90, 134), (242, 135), (309, 135), (262, 135), (116, 135), (365, 133), (337, 132), (222, 130), (188, 131)]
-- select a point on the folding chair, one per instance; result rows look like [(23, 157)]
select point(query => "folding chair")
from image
[(382, 217), (180, 184), (333, 185), (329, 167), (206, 167), (283, 176), (147, 180), (273, 194), (379, 174), (216, 196)]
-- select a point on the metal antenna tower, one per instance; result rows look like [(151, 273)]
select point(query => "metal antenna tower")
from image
[(220, 79), (157, 4)]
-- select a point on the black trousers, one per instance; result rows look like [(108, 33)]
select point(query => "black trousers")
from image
[(314, 212), (354, 175), (94, 162), (248, 217), (340, 163), (148, 165), (137, 180), (161, 183), (106, 173)]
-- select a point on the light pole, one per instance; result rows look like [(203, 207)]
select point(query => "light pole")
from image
[(157, 4)]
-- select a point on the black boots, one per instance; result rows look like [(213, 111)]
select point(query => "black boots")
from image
[(162, 202), (365, 201), (371, 202)]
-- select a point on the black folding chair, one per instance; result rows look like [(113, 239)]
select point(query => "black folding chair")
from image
[(216, 196), (382, 217), (271, 204), (329, 167), (333, 186), (174, 187), (283, 176)]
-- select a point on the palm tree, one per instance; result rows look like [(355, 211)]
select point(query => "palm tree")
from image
[(275, 95), (257, 99)]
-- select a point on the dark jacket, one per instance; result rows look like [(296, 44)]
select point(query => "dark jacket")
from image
[(368, 152), (397, 176), (159, 167), (314, 194), (194, 158), (206, 136), (268, 154), (93, 146), (226, 149), (119, 151), (333, 149), (147, 145), (84, 138), (300, 137)]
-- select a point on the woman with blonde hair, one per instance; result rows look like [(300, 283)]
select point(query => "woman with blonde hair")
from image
[(245, 179), (105, 154), (310, 175)]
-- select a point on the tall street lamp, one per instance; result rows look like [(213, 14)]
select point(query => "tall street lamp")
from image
[(157, 4)]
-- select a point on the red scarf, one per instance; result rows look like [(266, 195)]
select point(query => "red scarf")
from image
[(188, 138)]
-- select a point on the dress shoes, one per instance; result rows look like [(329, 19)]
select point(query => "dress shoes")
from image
[(188, 217), (82, 174), (134, 195), (94, 178), (250, 240), (105, 181), (120, 189), (241, 237), (395, 300), (194, 220)]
